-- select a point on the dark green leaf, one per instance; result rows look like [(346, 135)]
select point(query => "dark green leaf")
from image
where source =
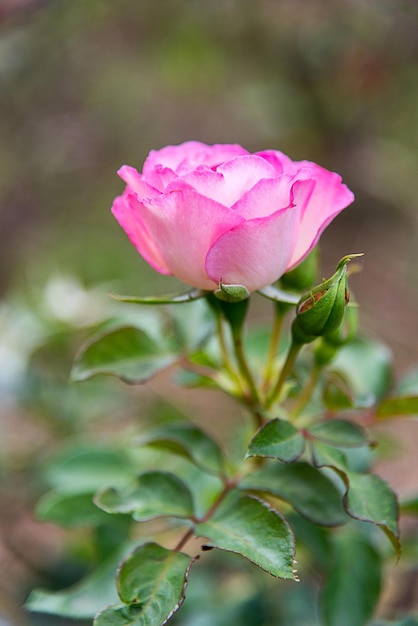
[(249, 527), (308, 490), (155, 494), (339, 433), (127, 353), (397, 407), (410, 506), (152, 580), (370, 499), (69, 510), (366, 366), (353, 586), (277, 439), (84, 599), (189, 441)]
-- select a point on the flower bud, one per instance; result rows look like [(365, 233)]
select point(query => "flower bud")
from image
[(321, 311)]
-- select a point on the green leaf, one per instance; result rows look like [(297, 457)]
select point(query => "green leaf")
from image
[(249, 527), (370, 499), (155, 494), (324, 455), (408, 383), (397, 407), (87, 469), (84, 599), (69, 510), (189, 296), (127, 353), (352, 588), (336, 395), (277, 439), (366, 366), (152, 580), (188, 441), (304, 487), (339, 433), (272, 292), (410, 506)]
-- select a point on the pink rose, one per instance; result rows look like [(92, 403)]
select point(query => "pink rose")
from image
[(211, 214)]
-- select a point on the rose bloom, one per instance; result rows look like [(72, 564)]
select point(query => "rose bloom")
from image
[(212, 214)]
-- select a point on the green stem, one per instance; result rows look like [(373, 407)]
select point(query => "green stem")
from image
[(306, 394), (285, 373), (274, 342), (229, 366), (245, 370)]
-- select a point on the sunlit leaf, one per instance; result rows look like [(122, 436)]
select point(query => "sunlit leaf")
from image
[(155, 494), (152, 582), (248, 526), (277, 439), (397, 407), (127, 353), (353, 585), (308, 490), (188, 296)]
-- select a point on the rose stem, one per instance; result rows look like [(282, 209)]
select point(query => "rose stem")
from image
[(306, 392), (286, 371), (274, 342)]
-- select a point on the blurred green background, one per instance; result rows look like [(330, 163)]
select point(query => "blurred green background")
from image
[(87, 86)]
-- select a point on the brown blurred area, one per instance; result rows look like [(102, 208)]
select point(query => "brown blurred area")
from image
[(87, 86)]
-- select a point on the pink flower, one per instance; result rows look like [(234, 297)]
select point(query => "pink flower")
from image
[(211, 214)]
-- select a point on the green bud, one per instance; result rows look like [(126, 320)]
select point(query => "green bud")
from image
[(303, 275), (232, 293), (321, 311), (328, 345)]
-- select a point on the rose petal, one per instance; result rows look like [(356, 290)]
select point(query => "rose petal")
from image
[(127, 211), (137, 183), (328, 199), (257, 252), (266, 197), (186, 224), (187, 156)]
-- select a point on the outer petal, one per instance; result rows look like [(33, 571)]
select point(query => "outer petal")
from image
[(278, 160), (136, 182), (185, 225), (328, 199), (127, 211), (257, 252), (189, 155)]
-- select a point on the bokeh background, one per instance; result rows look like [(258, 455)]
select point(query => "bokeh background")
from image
[(87, 86)]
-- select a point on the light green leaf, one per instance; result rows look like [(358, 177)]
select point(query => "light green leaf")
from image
[(336, 395), (127, 353), (366, 366), (324, 455), (189, 296), (248, 526), (272, 292), (87, 469), (353, 586), (308, 490), (155, 494), (152, 581), (397, 407), (69, 510), (188, 441), (84, 599), (408, 383), (370, 499), (339, 433), (277, 439)]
